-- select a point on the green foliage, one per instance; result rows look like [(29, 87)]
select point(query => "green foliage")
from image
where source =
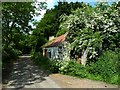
[(74, 69), (60, 32), (49, 24), (16, 17), (93, 29), (10, 53), (15, 24), (15, 20), (41, 61), (106, 67), (57, 65), (15, 30), (36, 41)]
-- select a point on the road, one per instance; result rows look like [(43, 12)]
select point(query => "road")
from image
[(27, 75)]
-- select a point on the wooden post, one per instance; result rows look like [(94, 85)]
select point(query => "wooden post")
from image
[(43, 51)]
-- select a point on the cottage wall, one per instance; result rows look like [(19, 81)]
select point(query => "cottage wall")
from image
[(55, 49), (52, 52), (57, 52)]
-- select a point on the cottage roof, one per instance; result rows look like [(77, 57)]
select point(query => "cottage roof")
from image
[(56, 41)]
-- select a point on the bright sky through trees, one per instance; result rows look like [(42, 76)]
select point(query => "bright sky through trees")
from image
[(52, 3)]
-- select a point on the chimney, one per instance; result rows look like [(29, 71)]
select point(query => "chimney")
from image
[(51, 38)]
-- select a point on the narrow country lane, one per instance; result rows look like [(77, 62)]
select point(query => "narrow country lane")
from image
[(26, 75)]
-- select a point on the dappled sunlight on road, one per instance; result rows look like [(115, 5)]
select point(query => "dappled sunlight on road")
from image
[(26, 74)]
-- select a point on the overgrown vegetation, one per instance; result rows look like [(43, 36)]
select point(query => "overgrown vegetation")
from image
[(40, 60), (96, 30), (105, 68), (49, 24), (16, 30), (93, 30)]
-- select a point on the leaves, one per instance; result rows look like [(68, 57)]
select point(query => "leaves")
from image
[(15, 25), (93, 29)]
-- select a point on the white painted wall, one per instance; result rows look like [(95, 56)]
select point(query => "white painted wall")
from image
[(54, 52)]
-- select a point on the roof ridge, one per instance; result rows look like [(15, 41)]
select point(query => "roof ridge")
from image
[(56, 41)]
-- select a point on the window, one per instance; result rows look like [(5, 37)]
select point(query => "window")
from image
[(49, 53)]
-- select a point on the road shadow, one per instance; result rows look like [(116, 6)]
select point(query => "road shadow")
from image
[(25, 73)]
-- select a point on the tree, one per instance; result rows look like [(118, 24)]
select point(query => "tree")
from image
[(66, 9), (93, 30), (49, 24), (15, 22), (15, 30)]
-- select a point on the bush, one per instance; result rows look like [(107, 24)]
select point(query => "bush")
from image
[(106, 67), (58, 65), (44, 62), (40, 60), (74, 69), (10, 54), (55, 65)]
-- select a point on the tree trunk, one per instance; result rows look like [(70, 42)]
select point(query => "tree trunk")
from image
[(84, 57)]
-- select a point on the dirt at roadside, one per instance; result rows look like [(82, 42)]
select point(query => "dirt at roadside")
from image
[(73, 82)]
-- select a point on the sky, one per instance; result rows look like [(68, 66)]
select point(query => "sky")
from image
[(52, 3)]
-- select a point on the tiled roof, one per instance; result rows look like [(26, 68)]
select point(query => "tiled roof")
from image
[(56, 41)]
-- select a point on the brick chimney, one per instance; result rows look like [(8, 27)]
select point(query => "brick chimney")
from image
[(51, 38)]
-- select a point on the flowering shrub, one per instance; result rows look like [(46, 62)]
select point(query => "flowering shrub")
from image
[(57, 65), (105, 68), (74, 69), (94, 29)]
